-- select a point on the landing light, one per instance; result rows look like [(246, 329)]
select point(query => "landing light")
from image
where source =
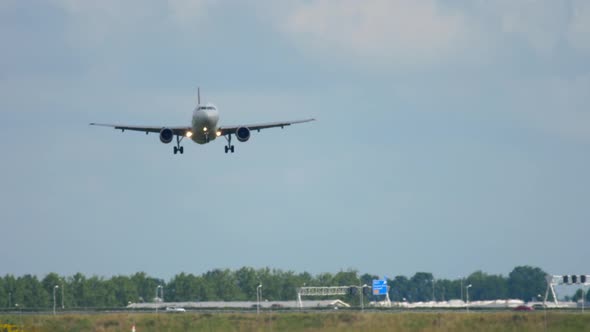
[(204, 128), (218, 133), (189, 134)]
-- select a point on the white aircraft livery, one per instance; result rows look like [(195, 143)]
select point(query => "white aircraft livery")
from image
[(203, 128)]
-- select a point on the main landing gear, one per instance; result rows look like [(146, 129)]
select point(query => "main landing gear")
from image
[(178, 148), (229, 147)]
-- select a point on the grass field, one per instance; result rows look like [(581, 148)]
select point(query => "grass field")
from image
[(321, 321)]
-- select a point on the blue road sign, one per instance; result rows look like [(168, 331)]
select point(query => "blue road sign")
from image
[(379, 287)]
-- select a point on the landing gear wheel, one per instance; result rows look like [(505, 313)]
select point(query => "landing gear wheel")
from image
[(229, 147), (178, 148)]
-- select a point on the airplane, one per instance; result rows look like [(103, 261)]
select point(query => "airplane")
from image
[(203, 129)]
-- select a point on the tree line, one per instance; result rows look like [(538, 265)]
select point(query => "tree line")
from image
[(78, 291)]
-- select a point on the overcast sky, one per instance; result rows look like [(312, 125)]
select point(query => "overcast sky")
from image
[(452, 136)]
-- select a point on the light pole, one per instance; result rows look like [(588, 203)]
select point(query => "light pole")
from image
[(467, 293), (9, 299), (20, 314), (361, 291), (544, 310), (161, 297), (258, 298), (583, 299), (461, 288), (433, 298), (62, 296), (54, 288), (157, 298), (361, 295)]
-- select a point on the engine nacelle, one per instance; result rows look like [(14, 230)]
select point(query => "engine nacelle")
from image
[(166, 135), (243, 134)]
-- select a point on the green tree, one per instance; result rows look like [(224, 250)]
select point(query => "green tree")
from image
[(346, 278), (487, 287), (526, 282), (421, 286), (447, 289), (95, 293), (269, 279), (221, 285), (305, 279), (125, 291), (30, 292), (3, 294), (367, 279), (76, 289), (146, 286), (247, 280), (399, 288), (185, 287), (578, 295), (49, 282), (288, 282)]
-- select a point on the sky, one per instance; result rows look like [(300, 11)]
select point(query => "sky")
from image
[(451, 136)]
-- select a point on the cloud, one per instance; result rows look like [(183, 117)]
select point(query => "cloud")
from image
[(387, 30), (406, 32), (539, 25), (95, 22), (186, 11), (579, 28)]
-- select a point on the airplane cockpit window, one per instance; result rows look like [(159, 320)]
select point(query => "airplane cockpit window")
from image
[(206, 108)]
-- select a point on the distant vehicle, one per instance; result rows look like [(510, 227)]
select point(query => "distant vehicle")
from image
[(203, 128), (175, 309), (523, 308)]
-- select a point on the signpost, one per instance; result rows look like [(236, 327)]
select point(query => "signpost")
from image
[(379, 287)]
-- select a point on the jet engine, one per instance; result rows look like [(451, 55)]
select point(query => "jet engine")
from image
[(243, 134), (166, 135)]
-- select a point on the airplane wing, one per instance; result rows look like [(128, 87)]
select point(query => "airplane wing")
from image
[(180, 131), (224, 130)]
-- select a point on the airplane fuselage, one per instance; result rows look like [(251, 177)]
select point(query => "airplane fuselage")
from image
[(204, 123)]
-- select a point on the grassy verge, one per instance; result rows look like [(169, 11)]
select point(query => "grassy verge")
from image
[(323, 321)]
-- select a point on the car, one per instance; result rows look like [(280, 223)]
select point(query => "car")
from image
[(523, 308), (175, 309)]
